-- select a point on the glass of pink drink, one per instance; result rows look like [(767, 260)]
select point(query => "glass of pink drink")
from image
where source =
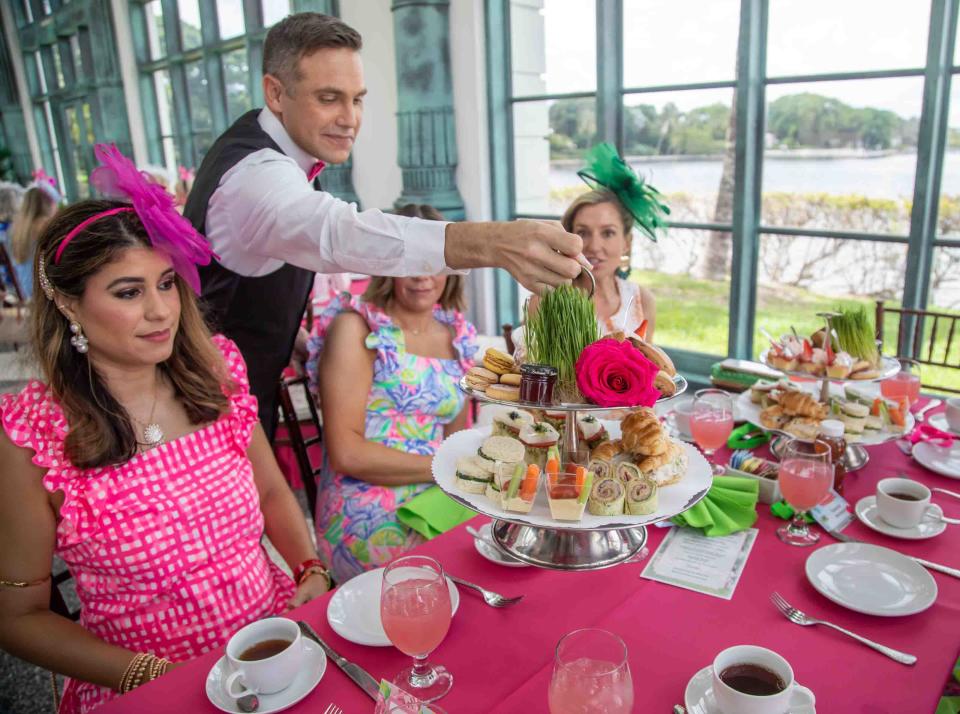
[(905, 384), (806, 476), (711, 422), (591, 675), (416, 612)]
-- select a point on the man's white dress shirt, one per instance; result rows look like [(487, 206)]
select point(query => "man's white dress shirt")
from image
[(265, 213)]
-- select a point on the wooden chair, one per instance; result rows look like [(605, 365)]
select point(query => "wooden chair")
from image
[(508, 337), (300, 444), (913, 343)]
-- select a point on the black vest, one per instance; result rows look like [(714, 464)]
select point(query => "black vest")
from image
[(262, 315)]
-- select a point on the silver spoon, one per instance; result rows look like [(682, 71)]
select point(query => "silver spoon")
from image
[(932, 404), (248, 703)]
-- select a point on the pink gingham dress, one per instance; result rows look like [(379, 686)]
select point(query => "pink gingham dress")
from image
[(165, 548)]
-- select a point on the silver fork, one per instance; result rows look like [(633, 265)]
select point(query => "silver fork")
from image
[(333, 709), (491, 598), (794, 615)]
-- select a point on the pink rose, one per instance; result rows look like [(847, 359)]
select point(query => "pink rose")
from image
[(616, 374)]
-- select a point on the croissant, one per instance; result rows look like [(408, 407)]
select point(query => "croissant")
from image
[(802, 404), (607, 450), (642, 433)]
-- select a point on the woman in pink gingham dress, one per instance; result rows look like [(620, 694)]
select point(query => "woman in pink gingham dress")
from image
[(163, 533)]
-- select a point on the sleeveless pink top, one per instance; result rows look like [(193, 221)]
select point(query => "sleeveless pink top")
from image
[(165, 548)]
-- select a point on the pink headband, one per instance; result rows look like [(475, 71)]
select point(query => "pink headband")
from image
[(167, 230)]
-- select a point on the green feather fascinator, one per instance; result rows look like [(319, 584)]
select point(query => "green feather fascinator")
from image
[(605, 169)]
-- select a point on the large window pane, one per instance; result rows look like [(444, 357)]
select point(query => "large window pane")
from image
[(692, 296), (549, 141), (654, 31), (230, 18), (190, 23), (799, 276), (199, 97), (156, 35), (553, 46), (842, 155), (235, 76), (681, 143), (948, 217), (818, 36), (274, 11)]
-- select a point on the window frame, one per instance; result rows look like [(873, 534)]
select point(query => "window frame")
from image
[(750, 91)]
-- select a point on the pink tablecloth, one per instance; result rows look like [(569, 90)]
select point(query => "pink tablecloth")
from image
[(501, 659)]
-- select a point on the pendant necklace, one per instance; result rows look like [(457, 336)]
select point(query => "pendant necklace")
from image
[(152, 432)]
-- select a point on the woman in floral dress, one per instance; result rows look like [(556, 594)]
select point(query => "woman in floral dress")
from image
[(388, 378)]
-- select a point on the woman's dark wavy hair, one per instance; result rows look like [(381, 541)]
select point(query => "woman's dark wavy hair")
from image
[(100, 430)]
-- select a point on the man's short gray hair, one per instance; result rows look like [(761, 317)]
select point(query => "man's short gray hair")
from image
[(299, 35)]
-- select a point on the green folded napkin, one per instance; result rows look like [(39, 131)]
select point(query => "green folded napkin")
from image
[(433, 512), (729, 506)]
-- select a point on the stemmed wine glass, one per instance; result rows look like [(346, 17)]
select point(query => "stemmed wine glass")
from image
[(806, 476), (416, 612), (711, 422), (591, 674), (905, 384)]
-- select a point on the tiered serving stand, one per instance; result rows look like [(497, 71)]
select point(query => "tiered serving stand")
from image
[(856, 456), (536, 538)]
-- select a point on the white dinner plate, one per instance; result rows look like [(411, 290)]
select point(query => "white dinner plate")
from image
[(494, 555), (672, 499), (699, 699), (354, 610), (945, 462), (939, 421), (931, 525), (870, 579), (308, 675), (749, 411)]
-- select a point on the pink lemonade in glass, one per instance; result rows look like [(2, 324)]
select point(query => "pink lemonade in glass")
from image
[(902, 385), (805, 483), (416, 615), (589, 686), (711, 429)]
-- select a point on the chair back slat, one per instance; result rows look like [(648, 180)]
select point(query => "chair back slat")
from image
[(301, 445), (913, 344)]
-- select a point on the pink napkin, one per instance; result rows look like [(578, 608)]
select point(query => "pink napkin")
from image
[(937, 437)]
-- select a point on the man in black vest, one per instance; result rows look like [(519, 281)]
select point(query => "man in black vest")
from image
[(258, 200)]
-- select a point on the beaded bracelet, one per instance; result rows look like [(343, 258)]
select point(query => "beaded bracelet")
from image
[(310, 567), (142, 668)]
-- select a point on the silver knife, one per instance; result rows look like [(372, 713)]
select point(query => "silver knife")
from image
[(357, 673), (925, 563)]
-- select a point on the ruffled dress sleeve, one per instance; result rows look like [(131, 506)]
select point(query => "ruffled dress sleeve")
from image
[(33, 420), (384, 336), (243, 405), (464, 340)]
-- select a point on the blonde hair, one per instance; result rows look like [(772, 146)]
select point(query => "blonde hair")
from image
[(380, 289), (10, 196), (35, 210), (100, 430), (595, 198)]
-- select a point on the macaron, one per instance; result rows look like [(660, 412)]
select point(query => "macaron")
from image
[(497, 361), (506, 392), (479, 378), (511, 379)]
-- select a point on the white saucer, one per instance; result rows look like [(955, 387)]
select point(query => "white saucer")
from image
[(354, 610), (698, 699), (945, 462), (930, 526), (494, 555), (869, 579), (939, 421), (309, 674)]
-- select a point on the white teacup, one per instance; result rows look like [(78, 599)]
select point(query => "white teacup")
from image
[(681, 417), (906, 511), (269, 674), (733, 701), (953, 413)]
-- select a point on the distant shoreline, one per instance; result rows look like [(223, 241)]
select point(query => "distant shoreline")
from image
[(787, 154)]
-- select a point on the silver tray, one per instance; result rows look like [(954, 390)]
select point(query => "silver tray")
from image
[(678, 380)]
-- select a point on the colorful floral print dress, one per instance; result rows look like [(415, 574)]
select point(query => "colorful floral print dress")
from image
[(411, 399)]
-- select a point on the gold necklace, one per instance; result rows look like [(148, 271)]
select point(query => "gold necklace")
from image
[(152, 432)]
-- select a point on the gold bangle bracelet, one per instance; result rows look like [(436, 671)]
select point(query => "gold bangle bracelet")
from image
[(23, 583)]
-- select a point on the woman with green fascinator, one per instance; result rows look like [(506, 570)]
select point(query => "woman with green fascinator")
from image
[(605, 218)]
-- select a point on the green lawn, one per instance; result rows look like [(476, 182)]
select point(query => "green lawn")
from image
[(694, 314)]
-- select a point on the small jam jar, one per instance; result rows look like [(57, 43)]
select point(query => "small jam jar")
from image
[(537, 382)]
